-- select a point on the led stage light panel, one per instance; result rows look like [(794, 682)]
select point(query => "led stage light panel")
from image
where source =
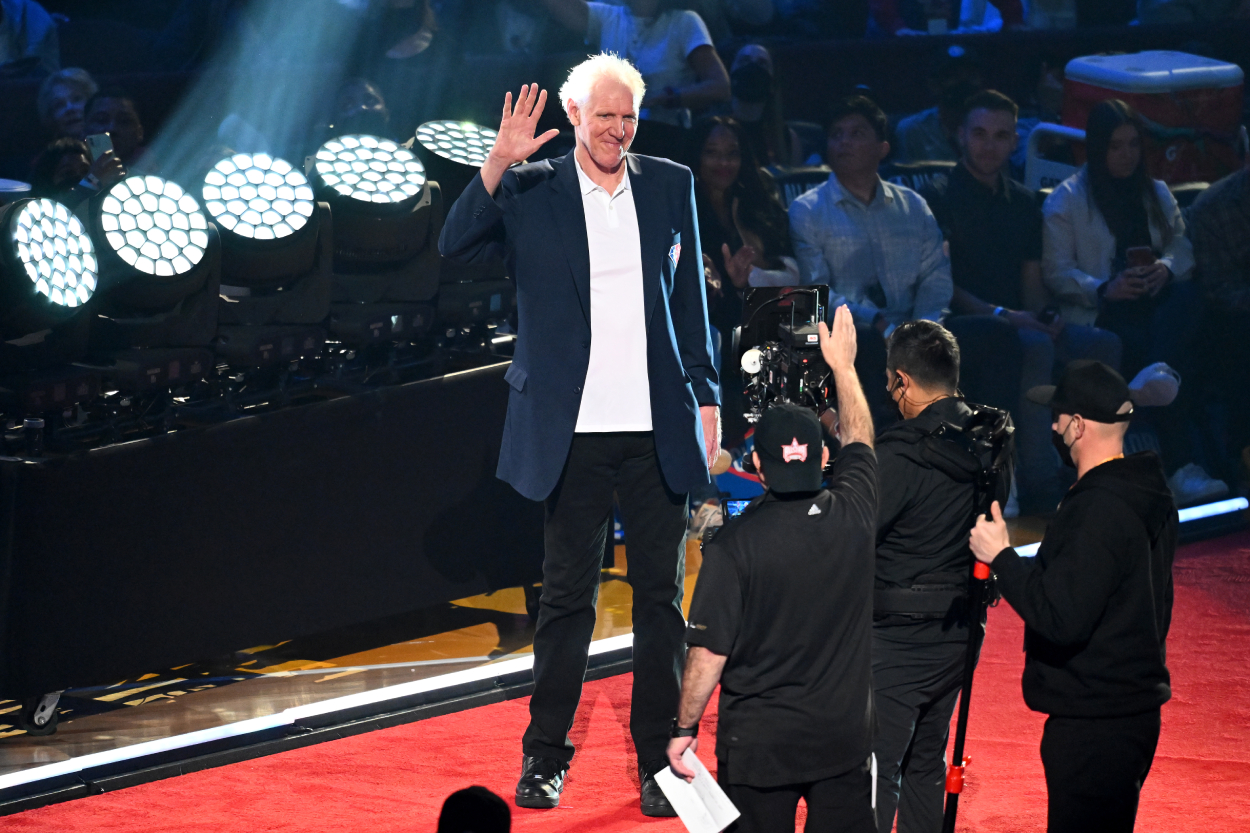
[(370, 169), (154, 225), (257, 196), (463, 142), (55, 252)]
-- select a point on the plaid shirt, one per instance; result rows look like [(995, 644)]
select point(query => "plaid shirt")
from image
[(885, 257), (1220, 231)]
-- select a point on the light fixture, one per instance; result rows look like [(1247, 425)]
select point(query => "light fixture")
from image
[(458, 141), (54, 251), (368, 170), (49, 276), (257, 197), (454, 151), (154, 226)]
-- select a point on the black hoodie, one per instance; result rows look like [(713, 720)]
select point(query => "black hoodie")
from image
[(1097, 599)]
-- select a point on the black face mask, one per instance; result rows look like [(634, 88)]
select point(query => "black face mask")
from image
[(751, 83), (892, 409), (1061, 445)]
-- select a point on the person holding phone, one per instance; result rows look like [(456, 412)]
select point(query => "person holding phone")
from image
[(1115, 254)]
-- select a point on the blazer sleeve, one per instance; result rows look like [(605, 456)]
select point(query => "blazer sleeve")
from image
[(689, 307), (474, 229), (1060, 271), (1178, 254)]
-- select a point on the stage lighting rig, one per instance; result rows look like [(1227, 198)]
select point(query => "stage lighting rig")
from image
[(160, 263), (49, 274), (275, 260), (387, 218)]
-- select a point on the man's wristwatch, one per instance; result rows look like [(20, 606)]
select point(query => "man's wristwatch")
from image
[(681, 732)]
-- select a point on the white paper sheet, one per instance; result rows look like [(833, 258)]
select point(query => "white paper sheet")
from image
[(701, 805)]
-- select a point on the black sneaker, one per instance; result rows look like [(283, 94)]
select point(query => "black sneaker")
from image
[(654, 802), (542, 781)]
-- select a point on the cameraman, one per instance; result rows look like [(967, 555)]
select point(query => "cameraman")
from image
[(920, 617), (781, 618)]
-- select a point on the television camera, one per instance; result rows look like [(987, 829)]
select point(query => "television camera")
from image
[(778, 347)]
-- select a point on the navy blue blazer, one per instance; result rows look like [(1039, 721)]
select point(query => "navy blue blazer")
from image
[(537, 222)]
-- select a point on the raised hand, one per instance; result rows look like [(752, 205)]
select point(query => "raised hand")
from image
[(516, 141), (738, 265), (837, 343)]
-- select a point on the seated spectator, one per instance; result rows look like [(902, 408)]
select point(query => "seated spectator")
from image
[(1220, 229), (1115, 255), (993, 226), (874, 243), (756, 104), (28, 39), (474, 810), (62, 97), (65, 172), (745, 235), (1190, 11), (928, 136), (360, 108), (670, 46), (113, 111)]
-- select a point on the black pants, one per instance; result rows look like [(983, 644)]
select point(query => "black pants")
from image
[(578, 520), (915, 687), (1095, 768), (842, 804)]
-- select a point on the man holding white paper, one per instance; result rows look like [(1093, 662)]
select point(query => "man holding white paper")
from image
[(782, 620)]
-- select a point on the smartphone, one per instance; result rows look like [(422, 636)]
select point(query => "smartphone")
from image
[(1140, 256), (98, 143), (734, 507)]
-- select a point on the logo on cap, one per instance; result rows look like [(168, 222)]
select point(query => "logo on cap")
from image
[(794, 451)]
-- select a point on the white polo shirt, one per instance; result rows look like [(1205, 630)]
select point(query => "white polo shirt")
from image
[(617, 394)]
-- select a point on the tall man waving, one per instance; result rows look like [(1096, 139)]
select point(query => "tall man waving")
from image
[(613, 391)]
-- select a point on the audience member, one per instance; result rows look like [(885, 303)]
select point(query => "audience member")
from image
[(1220, 230), (993, 227), (64, 171), (745, 234), (874, 243), (113, 111), (62, 97), (1115, 255), (670, 46), (756, 104), (474, 810), (28, 39), (928, 136), (359, 107)]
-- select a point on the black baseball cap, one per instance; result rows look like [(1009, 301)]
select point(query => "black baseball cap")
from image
[(789, 442), (1089, 388)]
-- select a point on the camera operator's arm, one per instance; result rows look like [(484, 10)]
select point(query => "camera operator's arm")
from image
[(702, 675), (838, 347)]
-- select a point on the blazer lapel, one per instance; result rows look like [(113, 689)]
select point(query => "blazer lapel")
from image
[(570, 219), (653, 233)]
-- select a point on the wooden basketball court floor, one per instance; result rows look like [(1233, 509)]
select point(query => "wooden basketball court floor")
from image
[(262, 681)]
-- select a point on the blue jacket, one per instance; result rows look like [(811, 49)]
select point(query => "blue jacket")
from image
[(537, 223)]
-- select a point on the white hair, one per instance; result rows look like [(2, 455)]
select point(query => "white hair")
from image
[(606, 66)]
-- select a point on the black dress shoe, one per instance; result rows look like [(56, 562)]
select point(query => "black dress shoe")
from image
[(654, 802), (542, 781)]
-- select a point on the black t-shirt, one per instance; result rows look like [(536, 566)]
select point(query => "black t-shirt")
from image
[(992, 233), (922, 525), (785, 592)]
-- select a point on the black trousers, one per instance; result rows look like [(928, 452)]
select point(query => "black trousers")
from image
[(915, 688), (842, 804), (1095, 768), (578, 522)]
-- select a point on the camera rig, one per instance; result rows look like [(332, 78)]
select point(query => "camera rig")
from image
[(778, 349)]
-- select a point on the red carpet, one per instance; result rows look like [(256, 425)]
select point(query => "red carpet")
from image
[(396, 779)]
